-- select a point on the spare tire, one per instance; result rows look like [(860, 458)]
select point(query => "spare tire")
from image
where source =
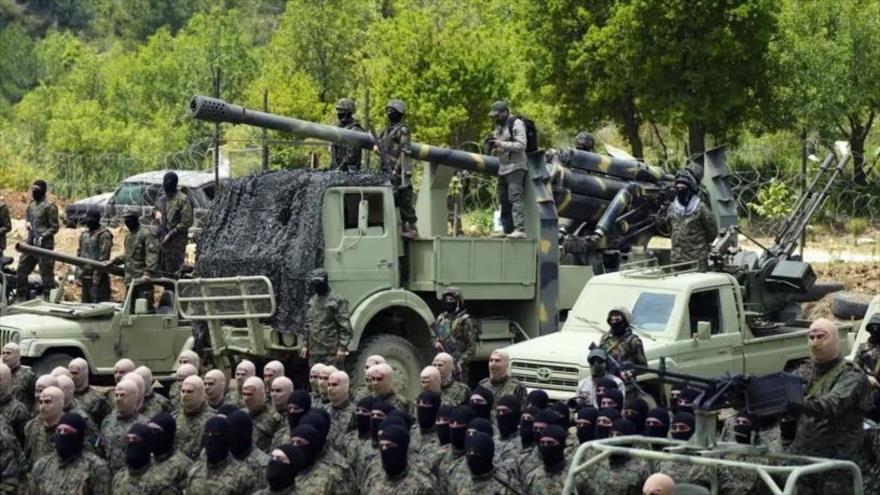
[(819, 290), (849, 305)]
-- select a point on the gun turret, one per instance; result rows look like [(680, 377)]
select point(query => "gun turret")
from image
[(69, 259)]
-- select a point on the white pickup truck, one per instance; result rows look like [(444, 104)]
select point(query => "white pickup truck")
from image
[(666, 307)]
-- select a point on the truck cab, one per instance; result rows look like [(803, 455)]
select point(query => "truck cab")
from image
[(695, 320)]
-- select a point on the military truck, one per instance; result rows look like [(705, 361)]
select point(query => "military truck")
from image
[(515, 288), (53, 332)]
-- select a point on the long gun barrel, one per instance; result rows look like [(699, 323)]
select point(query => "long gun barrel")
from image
[(216, 110), (69, 259)]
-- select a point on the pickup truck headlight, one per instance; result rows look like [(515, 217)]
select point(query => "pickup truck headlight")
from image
[(25, 346)]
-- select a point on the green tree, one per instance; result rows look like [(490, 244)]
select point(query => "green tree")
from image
[(18, 64)]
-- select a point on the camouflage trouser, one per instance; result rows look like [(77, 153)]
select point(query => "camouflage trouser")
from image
[(510, 196), (173, 255), (329, 359), (26, 265), (403, 199), (95, 287)]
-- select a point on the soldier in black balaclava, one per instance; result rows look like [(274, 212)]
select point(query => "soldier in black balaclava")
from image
[(41, 223), (284, 463), (508, 410), (657, 423), (140, 475), (95, 243), (586, 424), (175, 216), (481, 402), (241, 446), (551, 448), (527, 427), (345, 157), (482, 475), (171, 463), (141, 257), (396, 477), (444, 433), (72, 469), (427, 405), (605, 422), (682, 426)]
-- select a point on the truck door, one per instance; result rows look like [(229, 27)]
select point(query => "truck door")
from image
[(722, 351), (360, 254), (149, 332)]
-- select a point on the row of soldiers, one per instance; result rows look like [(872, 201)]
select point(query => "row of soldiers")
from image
[(148, 251)]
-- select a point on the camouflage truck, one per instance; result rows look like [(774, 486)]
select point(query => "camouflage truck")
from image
[(515, 288)]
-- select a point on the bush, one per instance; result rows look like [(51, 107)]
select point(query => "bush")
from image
[(856, 226), (774, 201)]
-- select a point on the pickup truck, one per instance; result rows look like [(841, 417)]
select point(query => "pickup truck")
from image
[(51, 333), (695, 320)]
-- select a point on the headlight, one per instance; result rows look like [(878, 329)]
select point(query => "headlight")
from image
[(25, 345)]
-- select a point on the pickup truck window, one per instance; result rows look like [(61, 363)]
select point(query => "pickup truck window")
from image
[(129, 194), (651, 311), (705, 306), (375, 212)]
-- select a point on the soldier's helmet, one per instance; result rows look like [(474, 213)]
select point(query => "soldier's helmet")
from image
[(687, 178), (346, 105), (451, 291), (623, 312), (397, 106), (318, 274), (585, 140)]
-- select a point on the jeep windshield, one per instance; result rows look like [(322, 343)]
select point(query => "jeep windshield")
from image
[(650, 308)]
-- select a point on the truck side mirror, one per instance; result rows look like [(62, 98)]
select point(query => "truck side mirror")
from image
[(140, 306), (363, 215), (704, 330)]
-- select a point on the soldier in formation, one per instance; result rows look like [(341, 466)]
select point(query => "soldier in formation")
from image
[(328, 328), (455, 332), (23, 379)]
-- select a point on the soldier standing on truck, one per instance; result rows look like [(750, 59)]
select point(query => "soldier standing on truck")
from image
[(5, 225), (455, 332), (328, 328), (621, 343), (95, 243), (42, 225), (690, 223), (508, 141), (342, 156), (393, 147), (141, 256), (175, 216)]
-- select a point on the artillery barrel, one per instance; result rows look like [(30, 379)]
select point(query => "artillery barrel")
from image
[(578, 207), (69, 259), (607, 165), (616, 208), (217, 110)]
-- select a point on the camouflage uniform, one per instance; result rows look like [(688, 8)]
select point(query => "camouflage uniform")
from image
[(173, 467), (423, 442), (43, 217), (627, 348), (457, 332), (540, 482), (255, 462), (113, 439), (626, 479), (505, 386), (95, 245), (39, 440), (141, 258), (345, 157), (93, 402), (229, 477), (454, 393), (174, 396), (23, 382), (5, 225), (12, 462), (324, 477), (830, 424), (282, 436), (224, 401), (191, 430), (145, 481), (177, 218), (93, 436), (341, 421), (494, 483), (401, 403), (691, 235), (85, 474), (14, 414), (868, 358), (154, 404), (411, 482), (394, 141), (266, 423), (292, 490), (327, 327)]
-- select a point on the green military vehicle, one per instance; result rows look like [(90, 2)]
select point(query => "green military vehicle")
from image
[(516, 288), (53, 332)]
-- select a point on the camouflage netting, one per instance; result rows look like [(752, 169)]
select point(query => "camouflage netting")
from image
[(270, 224)]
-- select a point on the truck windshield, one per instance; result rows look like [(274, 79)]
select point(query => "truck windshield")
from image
[(651, 309)]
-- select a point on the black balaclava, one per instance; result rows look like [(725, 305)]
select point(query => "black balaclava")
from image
[(745, 433), (617, 396), (564, 413), (612, 415), (444, 435), (537, 398), (603, 385), (527, 426), (481, 425), (507, 423), (227, 409), (622, 427), (686, 418), (241, 437), (393, 115), (405, 419), (309, 452), (686, 401), (93, 220), (132, 222), (547, 417), (480, 453), (587, 432), (320, 286), (162, 441), (873, 328), (483, 410), (169, 184), (301, 399), (280, 475), (450, 303), (385, 407), (394, 459), (69, 445), (217, 433), (428, 404), (461, 415), (619, 328), (319, 418), (661, 430), (38, 190), (363, 421), (137, 453), (787, 429), (553, 456), (636, 410)]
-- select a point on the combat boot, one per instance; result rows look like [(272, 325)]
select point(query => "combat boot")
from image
[(517, 234)]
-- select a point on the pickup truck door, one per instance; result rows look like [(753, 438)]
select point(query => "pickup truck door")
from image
[(722, 352), (151, 338)]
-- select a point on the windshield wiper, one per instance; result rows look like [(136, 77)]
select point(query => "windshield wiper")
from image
[(642, 333), (592, 323)]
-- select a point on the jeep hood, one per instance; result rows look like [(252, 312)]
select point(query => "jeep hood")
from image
[(51, 327)]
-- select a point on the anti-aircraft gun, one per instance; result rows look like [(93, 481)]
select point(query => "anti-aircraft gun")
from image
[(771, 279)]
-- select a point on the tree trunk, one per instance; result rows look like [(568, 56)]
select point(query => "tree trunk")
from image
[(857, 136), (696, 140), (631, 124)]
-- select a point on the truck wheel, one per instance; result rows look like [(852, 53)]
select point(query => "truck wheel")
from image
[(45, 364), (849, 305), (400, 354), (820, 290)]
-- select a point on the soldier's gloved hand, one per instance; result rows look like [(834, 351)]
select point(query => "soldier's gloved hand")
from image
[(341, 354), (304, 352)]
